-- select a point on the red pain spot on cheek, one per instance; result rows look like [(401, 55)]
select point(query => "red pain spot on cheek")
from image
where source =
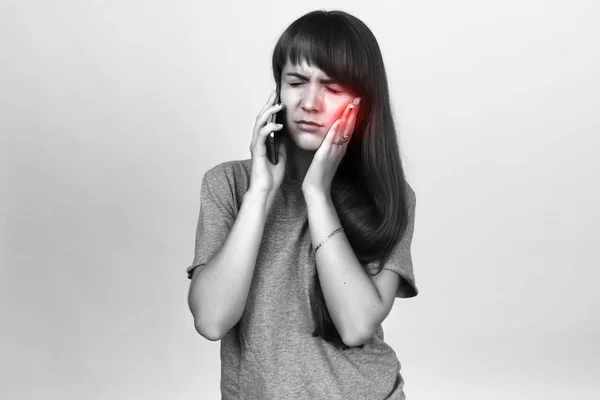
[(337, 114)]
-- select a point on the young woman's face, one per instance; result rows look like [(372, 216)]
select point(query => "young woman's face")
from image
[(308, 94)]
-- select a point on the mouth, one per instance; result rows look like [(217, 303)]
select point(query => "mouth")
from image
[(305, 122), (308, 127)]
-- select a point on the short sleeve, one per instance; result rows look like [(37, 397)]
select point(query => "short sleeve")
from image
[(400, 259), (217, 215)]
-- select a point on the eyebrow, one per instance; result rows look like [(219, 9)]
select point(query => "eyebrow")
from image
[(323, 80)]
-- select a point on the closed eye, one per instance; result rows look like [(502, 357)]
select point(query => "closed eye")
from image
[(331, 90)]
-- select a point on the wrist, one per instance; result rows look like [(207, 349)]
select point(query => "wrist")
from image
[(314, 194), (265, 198)]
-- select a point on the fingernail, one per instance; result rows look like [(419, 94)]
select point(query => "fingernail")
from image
[(356, 101)]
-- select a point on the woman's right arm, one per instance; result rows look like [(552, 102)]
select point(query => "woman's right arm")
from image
[(219, 290)]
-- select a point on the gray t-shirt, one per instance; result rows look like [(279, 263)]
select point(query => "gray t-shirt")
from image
[(282, 359)]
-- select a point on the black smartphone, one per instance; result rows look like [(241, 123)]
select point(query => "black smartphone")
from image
[(274, 138)]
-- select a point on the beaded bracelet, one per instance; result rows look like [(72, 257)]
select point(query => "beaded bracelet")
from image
[(326, 239)]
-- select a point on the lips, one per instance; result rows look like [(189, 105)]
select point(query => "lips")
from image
[(302, 121)]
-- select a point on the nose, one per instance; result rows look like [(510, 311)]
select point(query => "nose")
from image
[(311, 99)]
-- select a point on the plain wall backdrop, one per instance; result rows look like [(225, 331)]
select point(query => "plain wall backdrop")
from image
[(112, 111)]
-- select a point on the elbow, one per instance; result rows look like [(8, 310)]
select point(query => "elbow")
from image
[(354, 341), (358, 338), (207, 331)]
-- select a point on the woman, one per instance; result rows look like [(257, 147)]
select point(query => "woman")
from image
[(298, 263)]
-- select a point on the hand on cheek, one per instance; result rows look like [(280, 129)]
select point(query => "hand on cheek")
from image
[(341, 112), (347, 120), (320, 173)]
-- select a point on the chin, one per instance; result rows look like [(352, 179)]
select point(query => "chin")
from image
[(308, 141)]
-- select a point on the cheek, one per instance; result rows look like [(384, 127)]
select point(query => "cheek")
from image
[(286, 96), (337, 110)]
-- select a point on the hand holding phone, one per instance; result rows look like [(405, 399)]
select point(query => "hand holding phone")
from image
[(266, 176)]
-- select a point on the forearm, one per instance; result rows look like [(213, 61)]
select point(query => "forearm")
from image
[(349, 292), (218, 292)]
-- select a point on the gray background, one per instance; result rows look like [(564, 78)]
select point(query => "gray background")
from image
[(111, 112)]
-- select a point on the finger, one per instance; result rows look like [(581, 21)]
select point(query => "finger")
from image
[(257, 125), (344, 123), (267, 114), (267, 129), (269, 103), (331, 134), (349, 128), (260, 136)]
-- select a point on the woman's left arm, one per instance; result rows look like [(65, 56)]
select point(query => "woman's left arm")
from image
[(353, 299)]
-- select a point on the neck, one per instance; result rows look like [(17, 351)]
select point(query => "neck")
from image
[(298, 161)]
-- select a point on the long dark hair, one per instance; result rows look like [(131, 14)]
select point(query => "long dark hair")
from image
[(369, 189)]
